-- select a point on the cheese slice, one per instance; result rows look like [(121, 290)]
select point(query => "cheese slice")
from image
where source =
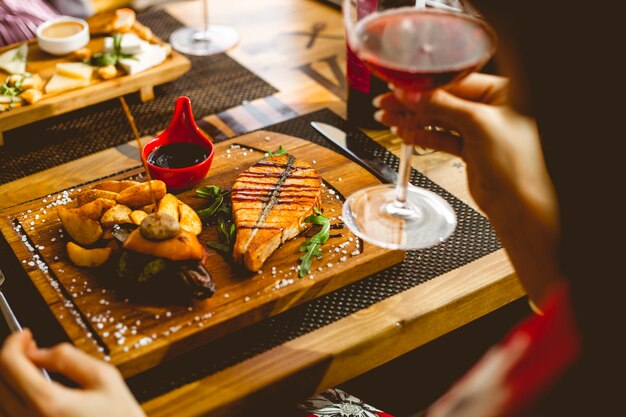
[(59, 83), (75, 70), (131, 44), (152, 56), (13, 61)]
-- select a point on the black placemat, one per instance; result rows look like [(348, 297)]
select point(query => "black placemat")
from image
[(473, 239), (214, 83)]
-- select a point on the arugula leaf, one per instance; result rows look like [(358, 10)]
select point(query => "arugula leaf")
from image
[(207, 213), (223, 248), (217, 198), (280, 151), (208, 191), (220, 214), (312, 246), (103, 59)]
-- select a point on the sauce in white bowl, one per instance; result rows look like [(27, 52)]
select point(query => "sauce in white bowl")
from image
[(63, 35)]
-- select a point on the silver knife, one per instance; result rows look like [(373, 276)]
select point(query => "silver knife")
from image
[(339, 138)]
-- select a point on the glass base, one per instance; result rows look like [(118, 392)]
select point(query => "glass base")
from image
[(373, 215), (192, 41)]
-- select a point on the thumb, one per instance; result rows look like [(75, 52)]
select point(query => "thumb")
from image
[(20, 372)]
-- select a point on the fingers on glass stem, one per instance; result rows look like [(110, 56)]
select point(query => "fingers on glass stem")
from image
[(430, 137)]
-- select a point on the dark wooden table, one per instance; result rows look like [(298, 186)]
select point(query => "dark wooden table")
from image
[(277, 45)]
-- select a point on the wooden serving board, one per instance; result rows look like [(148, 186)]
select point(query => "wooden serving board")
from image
[(137, 334), (99, 90)]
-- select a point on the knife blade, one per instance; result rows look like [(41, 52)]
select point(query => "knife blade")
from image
[(341, 139)]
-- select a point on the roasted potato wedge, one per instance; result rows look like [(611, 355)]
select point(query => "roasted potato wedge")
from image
[(81, 54), (139, 195), (142, 31), (118, 214), (123, 20), (96, 208), (137, 216), (115, 186), (89, 258), (13, 79), (31, 95), (108, 72), (169, 205), (189, 219), (80, 227), (34, 82), (149, 208), (88, 196)]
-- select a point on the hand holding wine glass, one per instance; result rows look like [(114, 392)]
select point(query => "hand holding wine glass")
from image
[(417, 50), (503, 154)]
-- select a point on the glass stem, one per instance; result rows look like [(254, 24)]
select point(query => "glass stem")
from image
[(205, 16), (404, 174)]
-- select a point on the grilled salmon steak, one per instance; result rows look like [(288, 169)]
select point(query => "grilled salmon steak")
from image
[(270, 201)]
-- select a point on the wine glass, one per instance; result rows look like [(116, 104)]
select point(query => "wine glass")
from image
[(210, 40), (418, 49)]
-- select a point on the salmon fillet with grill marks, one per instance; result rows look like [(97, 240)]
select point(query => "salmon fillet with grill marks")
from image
[(270, 201)]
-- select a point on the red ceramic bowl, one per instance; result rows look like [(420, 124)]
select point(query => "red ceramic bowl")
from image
[(182, 128)]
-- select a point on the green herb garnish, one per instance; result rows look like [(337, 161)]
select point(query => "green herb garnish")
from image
[(219, 213), (12, 91), (312, 246), (216, 197), (19, 56), (102, 59), (208, 191), (280, 151)]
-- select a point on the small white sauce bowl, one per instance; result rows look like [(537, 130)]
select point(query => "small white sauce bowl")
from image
[(66, 45)]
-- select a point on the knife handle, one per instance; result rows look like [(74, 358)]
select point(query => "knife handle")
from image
[(14, 325), (10, 318)]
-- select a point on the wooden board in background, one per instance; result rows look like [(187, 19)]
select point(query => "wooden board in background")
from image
[(98, 91), (137, 335)]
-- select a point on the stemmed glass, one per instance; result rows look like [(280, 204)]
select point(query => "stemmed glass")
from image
[(211, 39), (417, 49)]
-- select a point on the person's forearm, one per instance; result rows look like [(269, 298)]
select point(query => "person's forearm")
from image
[(528, 228)]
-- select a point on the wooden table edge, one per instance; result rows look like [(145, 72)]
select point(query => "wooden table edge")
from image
[(395, 326)]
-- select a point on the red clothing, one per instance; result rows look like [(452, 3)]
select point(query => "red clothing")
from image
[(19, 19), (512, 376)]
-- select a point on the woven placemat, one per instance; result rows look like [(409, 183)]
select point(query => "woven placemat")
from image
[(473, 239), (214, 83)]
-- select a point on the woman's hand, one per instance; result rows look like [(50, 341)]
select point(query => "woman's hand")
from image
[(500, 146), (25, 392), (505, 167)]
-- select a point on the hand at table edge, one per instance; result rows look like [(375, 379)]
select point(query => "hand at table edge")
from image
[(101, 389)]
